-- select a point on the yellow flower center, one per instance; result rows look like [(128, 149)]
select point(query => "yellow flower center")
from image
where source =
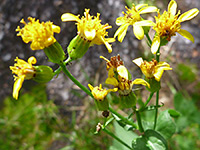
[(91, 29), (167, 25), (148, 68), (132, 15), (40, 34), (125, 85)]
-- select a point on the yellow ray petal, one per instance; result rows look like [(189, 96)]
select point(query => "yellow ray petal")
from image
[(163, 64), (122, 71), (155, 44), (106, 43), (137, 7), (32, 60), (121, 32), (148, 9), (138, 31), (112, 90), (91, 87), (138, 61), (17, 86), (112, 81), (158, 75), (69, 17), (145, 23), (119, 21), (188, 15), (141, 81), (172, 7), (186, 35)]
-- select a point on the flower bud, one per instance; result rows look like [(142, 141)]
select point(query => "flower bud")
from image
[(102, 105), (77, 47), (55, 53), (154, 85), (43, 74), (128, 101)]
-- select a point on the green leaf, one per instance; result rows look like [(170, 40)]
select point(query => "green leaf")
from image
[(173, 113), (124, 135), (151, 140), (165, 125), (123, 124)]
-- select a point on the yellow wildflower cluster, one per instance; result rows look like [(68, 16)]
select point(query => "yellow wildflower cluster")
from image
[(90, 31)]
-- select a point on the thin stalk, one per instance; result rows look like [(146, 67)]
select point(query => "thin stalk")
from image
[(122, 118), (156, 113), (74, 80), (157, 93), (158, 55), (116, 138), (57, 71), (139, 121), (149, 39), (145, 104)]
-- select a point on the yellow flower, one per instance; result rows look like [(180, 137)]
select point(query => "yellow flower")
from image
[(119, 77), (131, 17), (40, 34), (169, 23), (23, 70), (90, 28), (152, 69), (99, 93)]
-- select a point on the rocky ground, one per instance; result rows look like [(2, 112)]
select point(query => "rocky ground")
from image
[(12, 11)]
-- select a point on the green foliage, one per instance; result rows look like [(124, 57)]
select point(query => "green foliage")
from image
[(150, 140), (188, 124), (187, 72), (165, 125), (31, 122), (126, 136)]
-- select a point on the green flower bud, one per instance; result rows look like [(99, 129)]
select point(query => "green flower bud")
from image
[(102, 105), (55, 53), (128, 101), (43, 74), (77, 47), (154, 85)]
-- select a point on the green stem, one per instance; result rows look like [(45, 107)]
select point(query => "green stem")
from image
[(158, 55), (145, 104), (74, 80), (139, 121), (157, 93), (57, 71), (149, 39), (122, 118), (116, 138), (156, 113)]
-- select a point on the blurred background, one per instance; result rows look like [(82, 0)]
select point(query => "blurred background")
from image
[(58, 115)]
